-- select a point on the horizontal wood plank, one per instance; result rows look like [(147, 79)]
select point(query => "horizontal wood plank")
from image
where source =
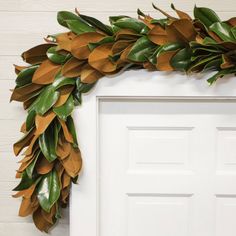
[(28, 229), (109, 5)]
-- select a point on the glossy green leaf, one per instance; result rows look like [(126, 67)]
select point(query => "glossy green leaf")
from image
[(221, 74), (130, 23), (61, 81), (97, 24), (48, 142), (25, 76), (46, 100), (200, 65), (71, 126), (30, 119), (141, 50), (233, 31), (79, 26), (223, 30), (206, 16), (108, 39), (182, 59), (63, 16), (213, 65), (114, 19), (66, 109), (48, 191), (55, 56), (162, 22), (30, 169), (25, 182)]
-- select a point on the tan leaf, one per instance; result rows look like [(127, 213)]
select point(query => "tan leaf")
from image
[(158, 35), (46, 73), (99, 58), (49, 216), (42, 122), (72, 68), (147, 21), (232, 21), (18, 69), (126, 34), (25, 141), (24, 93), (25, 207), (23, 128), (227, 63), (181, 31), (89, 75), (36, 54), (125, 53), (64, 41), (66, 180), (65, 92), (163, 61), (31, 147), (73, 162), (40, 222), (26, 193), (44, 166), (79, 48), (120, 46), (65, 194), (63, 150), (181, 14), (67, 134)]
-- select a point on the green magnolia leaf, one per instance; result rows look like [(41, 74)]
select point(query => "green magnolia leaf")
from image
[(213, 65), (200, 65), (25, 182), (61, 81), (162, 22), (208, 40), (63, 16), (97, 24), (206, 16), (25, 76), (30, 119), (108, 39), (48, 142), (46, 100), (233, 31), (71, 126), (30, 169), (66, 109), (221, 74), (223, 30), (54, 56), (48, 191), (130, 23), (182, 59), (141, 50), (113, 19), (79, 26)]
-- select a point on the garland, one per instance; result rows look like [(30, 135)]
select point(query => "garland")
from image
[(69, 64)]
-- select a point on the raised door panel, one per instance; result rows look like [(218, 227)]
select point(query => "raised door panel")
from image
[(166, 167)]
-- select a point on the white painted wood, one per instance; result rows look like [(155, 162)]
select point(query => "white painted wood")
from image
[(23, 24), (124, 192), (112, 6)]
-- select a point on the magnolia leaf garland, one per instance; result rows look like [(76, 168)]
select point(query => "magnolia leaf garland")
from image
[(69, 64)]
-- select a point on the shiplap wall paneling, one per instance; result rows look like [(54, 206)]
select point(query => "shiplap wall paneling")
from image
[(23, 24)]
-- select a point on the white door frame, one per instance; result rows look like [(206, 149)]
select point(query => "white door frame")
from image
[(84, 207)]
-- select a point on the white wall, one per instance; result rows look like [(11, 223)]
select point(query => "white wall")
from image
[(24, 23)]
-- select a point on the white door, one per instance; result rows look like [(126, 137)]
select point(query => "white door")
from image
[(167, 167), (159, 158)]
